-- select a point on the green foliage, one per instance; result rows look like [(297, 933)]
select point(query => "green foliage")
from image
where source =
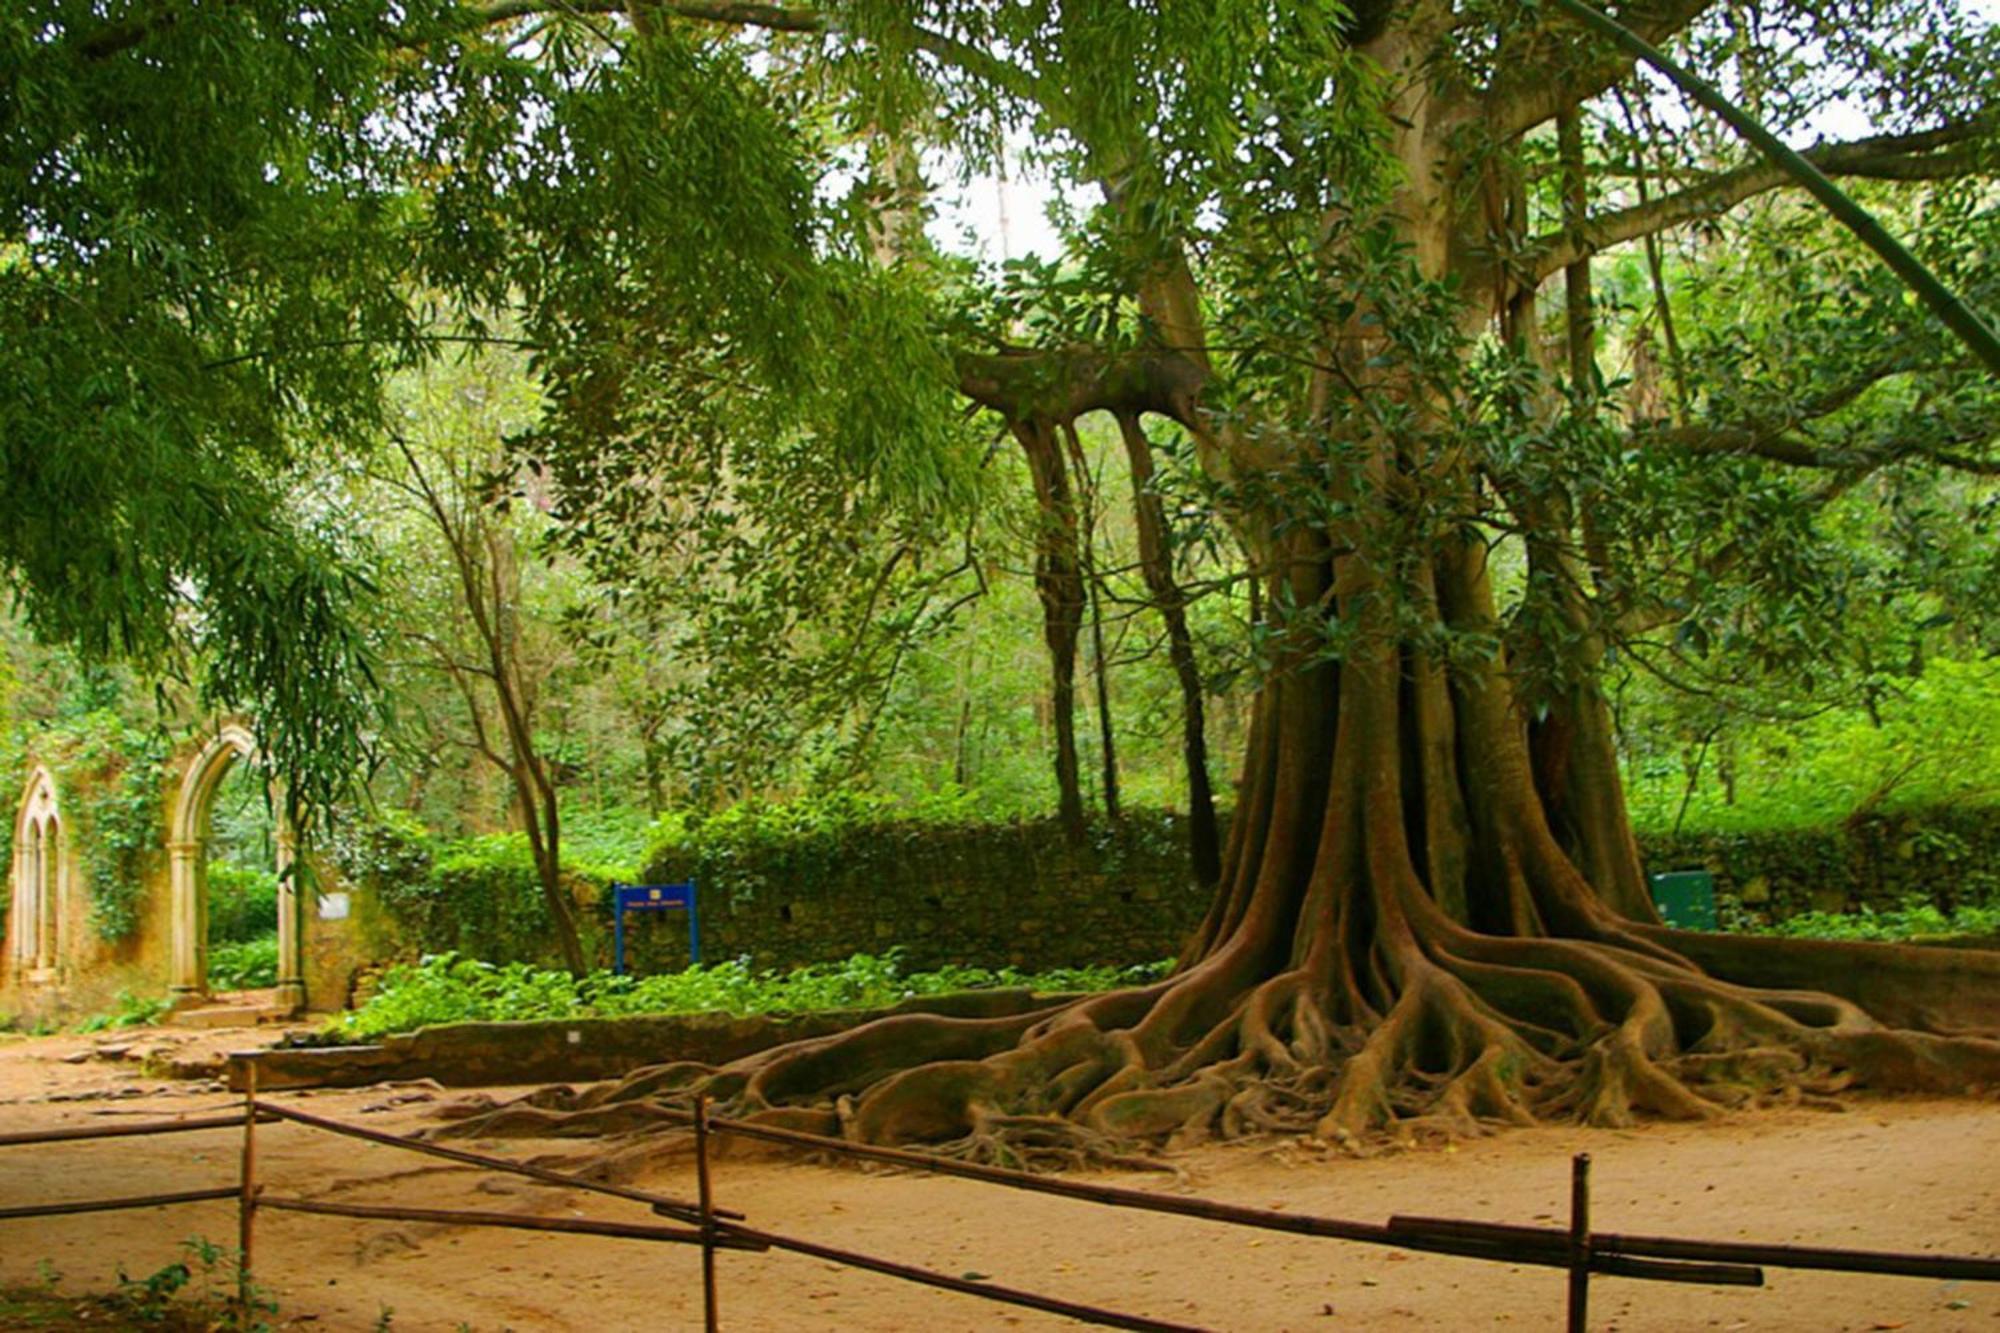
[(829, 840), (477, 896), (1930, 742), (125, 832), (195, 1293), (110, 770), (242, 904), (244, 964), (449, 989), (133, 1011), (1916, 919), (747, 846), (221, 301), (480, 895)]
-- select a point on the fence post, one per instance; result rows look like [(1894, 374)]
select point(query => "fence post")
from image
[(246, 1213), (707, 1201), (1579, 1243)]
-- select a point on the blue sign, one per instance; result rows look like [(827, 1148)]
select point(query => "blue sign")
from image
[(653, 898), (1686, 898)]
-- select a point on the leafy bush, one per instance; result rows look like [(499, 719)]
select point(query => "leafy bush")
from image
[(244, 964), (823, 842), (133, 1011), (449, 989), (109, 769), (242, 903), (477, 896), (1933, 741), (1916, 919)]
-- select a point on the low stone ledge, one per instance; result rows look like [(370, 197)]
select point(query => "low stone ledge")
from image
[(465, 1055)]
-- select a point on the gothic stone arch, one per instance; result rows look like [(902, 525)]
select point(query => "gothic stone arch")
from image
[(187, 850), (34, 922)]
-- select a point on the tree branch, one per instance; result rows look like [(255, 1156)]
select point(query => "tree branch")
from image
[(1779, 440), (1928, 155), (1061, 385), (776, 18), (780, 18), (1554, 70)]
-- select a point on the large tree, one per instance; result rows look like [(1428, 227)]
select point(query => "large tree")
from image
[(1320, 252)]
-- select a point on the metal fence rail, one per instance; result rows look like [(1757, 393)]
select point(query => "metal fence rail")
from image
[(179, 1125), (1575, 1248), (118, 1204)]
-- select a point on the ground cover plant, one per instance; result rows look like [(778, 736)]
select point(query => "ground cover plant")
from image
[(1915, 920), (197, 1294), (449, 989), (1311, 259), (133, 1011)]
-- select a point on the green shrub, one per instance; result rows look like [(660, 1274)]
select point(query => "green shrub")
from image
[(822, 842), (133, 1011), (242, 903), (244, 964), (110, 771), (479, 896), (1916, 919), (449, 989)]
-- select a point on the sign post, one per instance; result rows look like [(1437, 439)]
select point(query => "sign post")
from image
[(653, 898)]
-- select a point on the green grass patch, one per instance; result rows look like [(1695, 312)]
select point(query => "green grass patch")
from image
[(449, 989)]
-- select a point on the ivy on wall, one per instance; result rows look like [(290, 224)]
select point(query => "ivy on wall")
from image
[(478, 896), (109, 772)]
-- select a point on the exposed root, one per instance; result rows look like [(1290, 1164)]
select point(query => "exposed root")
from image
[(1484, 1033)]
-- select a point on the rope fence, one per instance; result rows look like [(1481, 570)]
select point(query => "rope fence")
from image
[(1575, 1248)]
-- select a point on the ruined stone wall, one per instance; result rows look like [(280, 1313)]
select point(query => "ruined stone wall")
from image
[(980, 895), (1018, 893), (977, 894), (90, 973), (1947, 856)]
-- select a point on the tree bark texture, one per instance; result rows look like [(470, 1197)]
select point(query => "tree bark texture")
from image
[(1059, 587), (1156, 564)]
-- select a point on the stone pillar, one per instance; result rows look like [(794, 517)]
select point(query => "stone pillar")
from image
[(188, 976), (27, 890), (291, 973), (45, 904), (51, 873), (17, 914)]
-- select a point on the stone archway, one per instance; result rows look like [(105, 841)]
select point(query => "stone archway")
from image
[(187, 850), (34, 922)]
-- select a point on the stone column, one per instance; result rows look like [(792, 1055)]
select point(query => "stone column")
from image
[(45, 906), (291, 973), (52, 888), (17, 913), (188, 976)]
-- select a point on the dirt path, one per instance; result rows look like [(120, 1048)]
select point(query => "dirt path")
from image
[(1889, 1174)]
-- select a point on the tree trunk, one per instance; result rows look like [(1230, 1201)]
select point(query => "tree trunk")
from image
[(1100, 670), (1059, 586), (1156, 563)]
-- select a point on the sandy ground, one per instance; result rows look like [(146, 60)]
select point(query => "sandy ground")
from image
[(1893, 1174)]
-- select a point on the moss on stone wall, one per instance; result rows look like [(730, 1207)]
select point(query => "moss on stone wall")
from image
[(1948, 856), (977, 894), (1018, 893)]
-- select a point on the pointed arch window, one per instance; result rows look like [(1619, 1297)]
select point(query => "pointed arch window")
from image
[(34, 924)]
